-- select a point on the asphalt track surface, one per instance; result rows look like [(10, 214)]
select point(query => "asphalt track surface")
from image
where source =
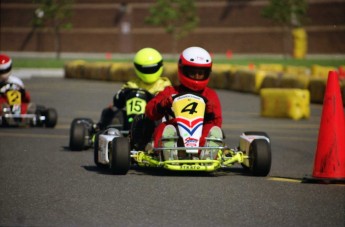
[(43, 183)]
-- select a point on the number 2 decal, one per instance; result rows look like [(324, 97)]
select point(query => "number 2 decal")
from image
[(13, 97)]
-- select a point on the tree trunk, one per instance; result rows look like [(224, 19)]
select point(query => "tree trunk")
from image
[(287, 42)]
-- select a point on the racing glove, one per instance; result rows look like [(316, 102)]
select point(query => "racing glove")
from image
[(119, 98), (164, 105)]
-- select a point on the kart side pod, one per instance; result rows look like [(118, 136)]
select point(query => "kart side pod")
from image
[(104, 141), (257, 149)]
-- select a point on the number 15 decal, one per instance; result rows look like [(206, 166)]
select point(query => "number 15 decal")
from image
[(135, 106)]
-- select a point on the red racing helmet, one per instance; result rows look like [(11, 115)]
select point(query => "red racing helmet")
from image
[(194, 60)]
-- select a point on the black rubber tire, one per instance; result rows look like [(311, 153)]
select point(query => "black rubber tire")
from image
[(260, 157), (82, 119), (40, 111), (77, 137), (51, 118), (258, 133), (95, 153), (119, 156)]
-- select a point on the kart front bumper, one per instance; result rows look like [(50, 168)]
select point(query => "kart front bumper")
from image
[(18, 119), (143, 159)]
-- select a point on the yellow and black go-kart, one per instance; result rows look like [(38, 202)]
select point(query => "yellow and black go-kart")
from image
[(84, 132)]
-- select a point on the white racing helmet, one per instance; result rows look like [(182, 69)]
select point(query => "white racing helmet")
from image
[(192, 60)]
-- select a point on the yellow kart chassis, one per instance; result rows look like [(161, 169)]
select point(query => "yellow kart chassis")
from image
[(225, 158)]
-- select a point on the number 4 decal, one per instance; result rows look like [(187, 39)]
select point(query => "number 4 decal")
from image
[(191, 108)]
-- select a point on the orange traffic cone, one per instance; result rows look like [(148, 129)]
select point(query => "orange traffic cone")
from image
[(329, 163)]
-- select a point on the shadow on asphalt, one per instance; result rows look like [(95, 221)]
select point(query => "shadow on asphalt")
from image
[(68, 149), (136, 170)]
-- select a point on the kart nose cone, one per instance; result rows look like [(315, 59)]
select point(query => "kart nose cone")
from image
[(113, 131)]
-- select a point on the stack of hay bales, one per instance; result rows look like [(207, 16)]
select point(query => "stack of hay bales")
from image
[(219, 76), (170, 71), (121, 72), (317, 84), (242, 78), (74, 69)]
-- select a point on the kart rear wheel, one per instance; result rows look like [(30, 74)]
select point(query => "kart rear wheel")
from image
[(260, 157), (95, 153), (119, 158), (51, 117), (83, 120), (77, 137), (39, 111)]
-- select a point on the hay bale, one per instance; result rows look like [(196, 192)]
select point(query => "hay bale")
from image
[(74, 69), (317, 87), (288, 103)]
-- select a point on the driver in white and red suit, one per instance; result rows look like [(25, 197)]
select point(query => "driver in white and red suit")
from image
[(10, 82), (194, 68)]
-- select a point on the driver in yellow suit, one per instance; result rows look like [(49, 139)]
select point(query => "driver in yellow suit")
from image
[(148, 67)]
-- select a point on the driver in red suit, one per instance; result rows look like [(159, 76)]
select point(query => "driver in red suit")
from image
[(194, 68), (10, 82)]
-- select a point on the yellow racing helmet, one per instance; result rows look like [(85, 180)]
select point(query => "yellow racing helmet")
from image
[(148, 65)]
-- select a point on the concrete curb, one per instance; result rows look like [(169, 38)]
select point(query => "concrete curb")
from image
[(28, 73)]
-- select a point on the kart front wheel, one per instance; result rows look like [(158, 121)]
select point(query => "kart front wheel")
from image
[(51, 118), (77, 137), (119, 158), (260, 157)]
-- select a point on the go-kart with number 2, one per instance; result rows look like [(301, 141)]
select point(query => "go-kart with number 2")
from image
[(15, 112)]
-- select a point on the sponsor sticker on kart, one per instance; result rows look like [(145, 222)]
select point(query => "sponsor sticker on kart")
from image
[(191, 167), (191, 142)]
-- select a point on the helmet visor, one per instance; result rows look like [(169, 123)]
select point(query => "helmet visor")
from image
[(196, 73), (149, 69)]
